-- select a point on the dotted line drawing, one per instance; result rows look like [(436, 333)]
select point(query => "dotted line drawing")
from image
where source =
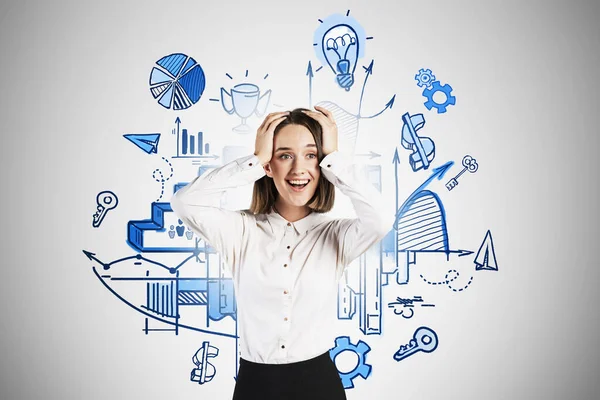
[(162, 179), (447, 281)]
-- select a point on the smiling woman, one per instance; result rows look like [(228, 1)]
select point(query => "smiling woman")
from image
[(284, 254), (293, 185)]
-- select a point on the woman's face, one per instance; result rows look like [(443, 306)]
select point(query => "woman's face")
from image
[(294, 160)]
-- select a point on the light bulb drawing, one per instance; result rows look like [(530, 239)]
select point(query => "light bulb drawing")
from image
[(340, 45), (339, 42)]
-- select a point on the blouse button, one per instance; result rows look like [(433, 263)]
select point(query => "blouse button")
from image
[(284, 265), (283, 346), (328, 165), (285, 292), (250, 164), (285, 319), (289, 224), (288, 247)]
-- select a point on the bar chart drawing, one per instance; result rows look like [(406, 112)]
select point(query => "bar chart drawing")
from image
[(192, 145)]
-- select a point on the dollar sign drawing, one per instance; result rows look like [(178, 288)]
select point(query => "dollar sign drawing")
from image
[(423, 148), (205, 371)]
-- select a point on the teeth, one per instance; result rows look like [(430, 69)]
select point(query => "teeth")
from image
[(299, 182)]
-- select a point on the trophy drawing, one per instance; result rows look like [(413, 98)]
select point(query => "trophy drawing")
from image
[(245, 100)]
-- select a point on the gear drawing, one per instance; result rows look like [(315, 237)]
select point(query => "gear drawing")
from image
[(425, 78), (363, 369), (441, 107)]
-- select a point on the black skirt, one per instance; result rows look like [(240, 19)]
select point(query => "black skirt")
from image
[(314, 379)]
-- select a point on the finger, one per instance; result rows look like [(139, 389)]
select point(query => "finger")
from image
[(320, 117), (271, 117), (325, 111), (276, 122)]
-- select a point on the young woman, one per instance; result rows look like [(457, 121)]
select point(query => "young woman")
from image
[(284, 254)]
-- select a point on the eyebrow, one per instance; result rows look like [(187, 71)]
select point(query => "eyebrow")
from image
[(289, 148)]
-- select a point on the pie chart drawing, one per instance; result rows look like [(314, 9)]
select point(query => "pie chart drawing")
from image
[(177, 81)]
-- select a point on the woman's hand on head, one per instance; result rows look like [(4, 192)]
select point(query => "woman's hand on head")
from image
[(330, 132), (263, 147)]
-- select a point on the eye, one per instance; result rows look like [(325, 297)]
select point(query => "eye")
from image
[(312, 155), (283, 155)]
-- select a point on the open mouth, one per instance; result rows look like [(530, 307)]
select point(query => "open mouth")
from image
[(298, 184)]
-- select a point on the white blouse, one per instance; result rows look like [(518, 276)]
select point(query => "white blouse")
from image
[(285, 274)]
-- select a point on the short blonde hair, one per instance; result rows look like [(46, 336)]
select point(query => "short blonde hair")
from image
[(265, 193)]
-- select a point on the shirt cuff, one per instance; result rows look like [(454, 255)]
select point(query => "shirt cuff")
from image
[(335, 161), (252, 165)]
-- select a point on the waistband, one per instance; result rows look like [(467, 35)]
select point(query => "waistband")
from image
[(298, 364)]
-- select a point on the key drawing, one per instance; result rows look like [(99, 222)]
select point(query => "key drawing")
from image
[(106, 201), (424, 339)]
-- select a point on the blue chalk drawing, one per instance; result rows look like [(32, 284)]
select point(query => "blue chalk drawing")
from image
[(342, 344), (180, 230), (423, 148), (245, 99), (190, 145), (136, 230), (177, 81), (159, 177), (438, 88), (339, 42), (486, 255), (164, 297), (425, 78), (348, 124), (448, 280), (424, 339), (310, 74), (469, 164), (148, 142), (204, 371), (105, 201), (420, 226), (405, 307)]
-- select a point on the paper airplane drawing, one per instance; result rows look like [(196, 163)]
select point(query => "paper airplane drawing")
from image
[(486, 255), (147, 142)]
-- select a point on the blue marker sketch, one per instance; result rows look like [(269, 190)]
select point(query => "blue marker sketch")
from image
[(405, 307), (448, 279), (420, 226), (204, 371), (425, 78), (423, 148), (339, 42), (435, 88), (180, 231), (137, 230), (424, 339), (342, 344), (159, 177), (245, 99), (105, 201), (164, 298), (469, 164), (190, 145), (147, 141), (486, 255), (177, 81)]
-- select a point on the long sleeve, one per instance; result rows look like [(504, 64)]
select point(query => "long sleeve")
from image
[(197, 205), (372, 223)]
